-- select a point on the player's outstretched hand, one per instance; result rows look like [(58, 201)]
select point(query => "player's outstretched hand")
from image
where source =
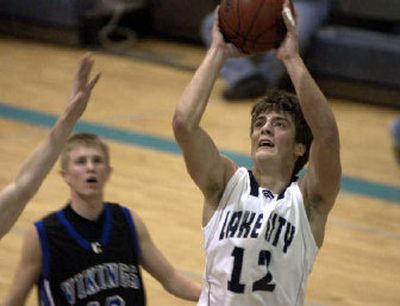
[(218, 40), (290, 46), (82, 87)]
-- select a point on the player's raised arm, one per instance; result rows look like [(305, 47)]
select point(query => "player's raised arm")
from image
[(321, 184), (35, 168), (204, 163)]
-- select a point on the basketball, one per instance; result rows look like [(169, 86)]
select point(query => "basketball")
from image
[(253, 26)]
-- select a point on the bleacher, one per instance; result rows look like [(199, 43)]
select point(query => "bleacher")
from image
[(355, 56)]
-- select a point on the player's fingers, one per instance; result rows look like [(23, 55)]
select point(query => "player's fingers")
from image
[(83, 65), (93, 82), (216, 18), (216, 13), (77, 99), (288, 17), (84, 69), (233, 50)]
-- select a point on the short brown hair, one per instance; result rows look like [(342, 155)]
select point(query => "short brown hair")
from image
[(86, 140), (285, 102)]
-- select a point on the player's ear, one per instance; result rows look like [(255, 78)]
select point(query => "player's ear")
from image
[(64, 175), (299, 149), (109, 172)]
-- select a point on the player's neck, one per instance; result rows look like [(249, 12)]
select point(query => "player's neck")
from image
[(272, 178), (87, 207)]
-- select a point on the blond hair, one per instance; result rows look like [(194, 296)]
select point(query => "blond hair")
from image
[(83, 139)]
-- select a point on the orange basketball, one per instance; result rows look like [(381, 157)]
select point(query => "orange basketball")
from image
[(253, 26)]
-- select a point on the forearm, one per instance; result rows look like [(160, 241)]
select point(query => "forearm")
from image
[(19, 289), (15, 196), (183, 287), (194, 99), (314, 104), (12, 301), (36, 167)]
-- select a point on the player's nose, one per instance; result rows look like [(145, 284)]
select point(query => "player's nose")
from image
[(267, 128), (90, 165)]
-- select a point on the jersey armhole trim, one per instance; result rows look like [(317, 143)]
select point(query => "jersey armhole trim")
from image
[(212, 224), (132, 229), (45, 248)]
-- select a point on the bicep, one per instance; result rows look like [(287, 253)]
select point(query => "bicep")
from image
[(207, 167), (322, 180), (28, 270), (152, 260), (12, 202)]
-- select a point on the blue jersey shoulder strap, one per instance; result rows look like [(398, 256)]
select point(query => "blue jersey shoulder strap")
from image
[(132, 229)]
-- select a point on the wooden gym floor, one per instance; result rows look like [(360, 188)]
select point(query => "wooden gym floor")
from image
[(132, 108)]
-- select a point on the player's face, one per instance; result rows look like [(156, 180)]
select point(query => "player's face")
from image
[(87, 171), (274, 137)]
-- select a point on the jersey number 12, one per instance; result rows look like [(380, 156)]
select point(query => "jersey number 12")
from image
[(263, 284)]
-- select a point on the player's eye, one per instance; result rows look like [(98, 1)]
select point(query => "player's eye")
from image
[(80, 161), (280, 123), (98, 160), (259, 123)]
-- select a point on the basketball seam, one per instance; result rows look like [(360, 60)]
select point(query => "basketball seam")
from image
[(254, 18), (224, 24), (238, 16), (266, 30)]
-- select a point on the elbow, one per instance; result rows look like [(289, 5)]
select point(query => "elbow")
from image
[(328, 136), (180, 126), (178, 121), (331, 138), (171, 284)]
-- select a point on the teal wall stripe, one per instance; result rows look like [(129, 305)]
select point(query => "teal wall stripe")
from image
[(349, 184)]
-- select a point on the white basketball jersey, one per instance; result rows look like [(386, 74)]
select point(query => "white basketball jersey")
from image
[(259, 247)]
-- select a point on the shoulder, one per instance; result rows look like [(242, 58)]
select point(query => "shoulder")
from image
[(316, 213), (31, 245), (215, 187), (139, 225), (115, 206), (233, 176), (235, 173), (116, 209), (120, 212), (230, 167), (238, 183), (242, 178), (31, 232), (316, 200), (51, 219)]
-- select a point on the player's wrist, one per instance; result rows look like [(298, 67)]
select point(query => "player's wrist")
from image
[(293, 60), (218, 52)]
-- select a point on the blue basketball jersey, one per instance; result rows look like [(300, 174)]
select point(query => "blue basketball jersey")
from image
[(90, 263)]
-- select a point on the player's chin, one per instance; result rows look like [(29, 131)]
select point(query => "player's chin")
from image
[(263, 153), (90, 191)]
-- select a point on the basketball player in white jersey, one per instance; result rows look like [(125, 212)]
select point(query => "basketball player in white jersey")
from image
[(15, 196), (262, 227)]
